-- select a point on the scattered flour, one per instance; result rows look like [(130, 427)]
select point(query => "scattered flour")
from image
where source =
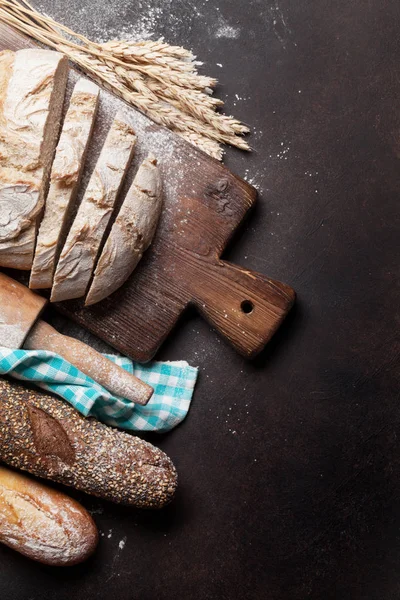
[(12, 334), (122, 543), (240, 99), (141, 20), (253, 180), (227, 31), (98, 21), (282, 154)]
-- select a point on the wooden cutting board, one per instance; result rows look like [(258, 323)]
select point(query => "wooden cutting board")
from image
[(204, 203)]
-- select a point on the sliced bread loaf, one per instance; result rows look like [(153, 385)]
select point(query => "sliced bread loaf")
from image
[(78, 256), (31, 98), (64, 181), (131, 234)]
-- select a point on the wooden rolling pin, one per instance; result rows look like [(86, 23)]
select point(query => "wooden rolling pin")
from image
[(20, 327)]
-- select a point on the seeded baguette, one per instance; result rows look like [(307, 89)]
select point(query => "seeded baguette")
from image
[(65, 176), (43, 524), (32, 88), (131, 233), (50, 439)]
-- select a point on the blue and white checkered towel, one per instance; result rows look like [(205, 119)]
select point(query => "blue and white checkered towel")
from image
[(173, 384)]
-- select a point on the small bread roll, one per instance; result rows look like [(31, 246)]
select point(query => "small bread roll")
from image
[(43, 524)]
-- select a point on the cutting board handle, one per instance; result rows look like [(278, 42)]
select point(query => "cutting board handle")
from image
[(244, 306)]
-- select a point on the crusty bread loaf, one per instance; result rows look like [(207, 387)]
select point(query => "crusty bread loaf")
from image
[(43, 524), (50, 439), (31, 97), (131, 233), (64, 180), (78, 256)]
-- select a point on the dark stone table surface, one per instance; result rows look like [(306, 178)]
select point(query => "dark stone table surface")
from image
[(289, 466)]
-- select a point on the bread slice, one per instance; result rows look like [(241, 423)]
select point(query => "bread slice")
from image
[(31, 98), (78, 256), (131, 234), (64, 180)]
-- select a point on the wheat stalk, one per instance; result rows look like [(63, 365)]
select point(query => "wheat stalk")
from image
[(148, 49), (159, 79), (129, 52), (208, 146)]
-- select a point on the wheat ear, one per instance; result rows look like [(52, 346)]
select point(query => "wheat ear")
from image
[(159, 79)]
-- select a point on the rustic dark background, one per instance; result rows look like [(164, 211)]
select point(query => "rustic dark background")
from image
[(289, 466)]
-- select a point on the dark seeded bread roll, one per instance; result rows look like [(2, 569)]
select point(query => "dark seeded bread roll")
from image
[(50, 439)]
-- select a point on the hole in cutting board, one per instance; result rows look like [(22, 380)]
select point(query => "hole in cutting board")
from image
[(247, 307)]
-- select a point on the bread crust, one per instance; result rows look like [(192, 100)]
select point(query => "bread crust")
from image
[(44, 524), (50, 439)]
